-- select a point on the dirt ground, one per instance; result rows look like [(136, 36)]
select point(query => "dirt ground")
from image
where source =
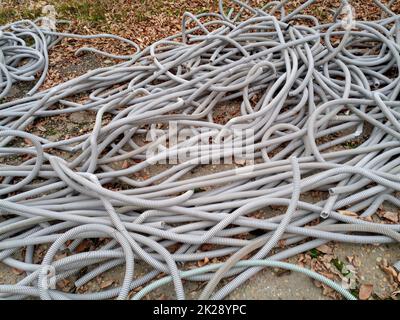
[(368, 264)]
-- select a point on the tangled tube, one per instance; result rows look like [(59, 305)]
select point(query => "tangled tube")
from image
[(21, 61), (321, 102)]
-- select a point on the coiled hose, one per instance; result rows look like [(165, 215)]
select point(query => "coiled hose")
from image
[(317, 109)]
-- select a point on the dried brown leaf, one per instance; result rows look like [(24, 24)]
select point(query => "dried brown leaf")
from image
[(106, 284), (348, 213), (325, 249), (390, 271), (83, 246), (391, 216), (365, 291), (41, 128), (125, 164), (28, 142), (203, 262), (17, 271)]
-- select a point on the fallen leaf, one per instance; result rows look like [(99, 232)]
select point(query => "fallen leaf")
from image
[(349, 283), (106, 284), (327, 291), (395, 293), (356, 261), (203, 262), (240, 161), (41, 128), (282, 243), (125, 165), (328, 275), (64, 283), (391, 216), (326, 258), (390, 271), (60, 256), (365, 291), (368, 219), (348, 213), (28, 142), (83, 246), (325, 249), (17, 271), (350, 258)]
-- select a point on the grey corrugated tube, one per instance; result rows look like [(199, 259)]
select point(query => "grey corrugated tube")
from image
[(253, 131)]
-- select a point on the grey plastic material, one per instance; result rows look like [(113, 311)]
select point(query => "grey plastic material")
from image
[(325, 116)]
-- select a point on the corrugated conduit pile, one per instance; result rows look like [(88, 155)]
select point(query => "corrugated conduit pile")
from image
[(21, 61), (305, 89)]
